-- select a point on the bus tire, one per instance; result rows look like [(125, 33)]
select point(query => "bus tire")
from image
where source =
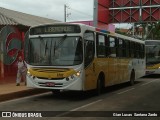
[(56, 92), (100, 85), (132, 78)]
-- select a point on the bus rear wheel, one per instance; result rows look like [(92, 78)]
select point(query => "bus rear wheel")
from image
[(132, 78)]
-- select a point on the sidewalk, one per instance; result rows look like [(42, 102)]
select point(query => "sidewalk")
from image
[(11, 91)]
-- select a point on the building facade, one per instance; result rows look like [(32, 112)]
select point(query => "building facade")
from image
[(13, 26)]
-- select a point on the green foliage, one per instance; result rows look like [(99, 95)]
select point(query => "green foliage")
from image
[(155, 31), (119, 32)]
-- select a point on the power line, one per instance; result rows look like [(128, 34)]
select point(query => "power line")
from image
[(74, 14), (81, 12), (70, 14)]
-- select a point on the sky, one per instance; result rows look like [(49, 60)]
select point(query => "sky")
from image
[(53, 9), (77, 10)]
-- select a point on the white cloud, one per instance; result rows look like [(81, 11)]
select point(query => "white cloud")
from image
[(80, 9)]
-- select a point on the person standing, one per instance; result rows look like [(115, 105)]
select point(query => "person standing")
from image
[(21, 72)]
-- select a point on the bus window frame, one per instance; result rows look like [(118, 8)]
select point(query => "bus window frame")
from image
[(112, 55), (120, 47), (97, 45)]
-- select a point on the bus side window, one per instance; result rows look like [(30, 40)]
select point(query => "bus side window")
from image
[(138, 50), (120, 48), (132, 49), (89, 47), (143, 51), (108, 51), (101, 46), (127, 49), (112, 45)]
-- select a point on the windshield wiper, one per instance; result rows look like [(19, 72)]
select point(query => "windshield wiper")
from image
[(29, 51), (50, 53), (54, 48), (60, 41), (153, 62), (46, 47)]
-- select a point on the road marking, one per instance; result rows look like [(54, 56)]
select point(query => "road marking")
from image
[(65, 113), (125, 91), (22, 98), (86, 105), (149, 82)]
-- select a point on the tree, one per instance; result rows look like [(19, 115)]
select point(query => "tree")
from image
[(155, 31), (120, 32)]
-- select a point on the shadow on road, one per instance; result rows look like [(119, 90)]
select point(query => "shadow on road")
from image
[(77, 96), (119, 86), (152, 76)]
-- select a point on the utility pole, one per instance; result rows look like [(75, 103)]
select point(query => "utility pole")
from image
[(95, 13), (65, 12), (133, 30)]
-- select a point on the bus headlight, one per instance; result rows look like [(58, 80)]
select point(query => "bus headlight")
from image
[(29, 74), (78, 73)]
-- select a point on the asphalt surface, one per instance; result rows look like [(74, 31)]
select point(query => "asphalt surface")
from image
[(143, 96)]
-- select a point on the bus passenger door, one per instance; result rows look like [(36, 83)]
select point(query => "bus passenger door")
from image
[(89, 54)]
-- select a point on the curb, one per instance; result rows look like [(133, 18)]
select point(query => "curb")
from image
[(20, 94)]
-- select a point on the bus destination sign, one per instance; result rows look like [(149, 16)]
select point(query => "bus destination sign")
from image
[(55, 29)]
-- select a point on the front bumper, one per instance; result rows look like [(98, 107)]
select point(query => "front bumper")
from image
[(152, 71), (74, 83)]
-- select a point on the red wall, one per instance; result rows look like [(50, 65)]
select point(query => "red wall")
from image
[(103, 14), (127, 11), (11, 48)]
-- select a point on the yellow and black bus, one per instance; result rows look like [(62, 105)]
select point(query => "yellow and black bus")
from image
[(152, 56), (79, 57)]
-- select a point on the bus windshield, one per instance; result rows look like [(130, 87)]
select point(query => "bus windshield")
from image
[(152, 54), (55, 51)]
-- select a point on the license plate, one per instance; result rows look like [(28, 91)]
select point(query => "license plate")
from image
[(50, 84)]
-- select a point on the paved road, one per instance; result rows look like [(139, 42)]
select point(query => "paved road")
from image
[(143, 96)]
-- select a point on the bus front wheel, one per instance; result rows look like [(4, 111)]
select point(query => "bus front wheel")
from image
[(56, 92), (100, 86)]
